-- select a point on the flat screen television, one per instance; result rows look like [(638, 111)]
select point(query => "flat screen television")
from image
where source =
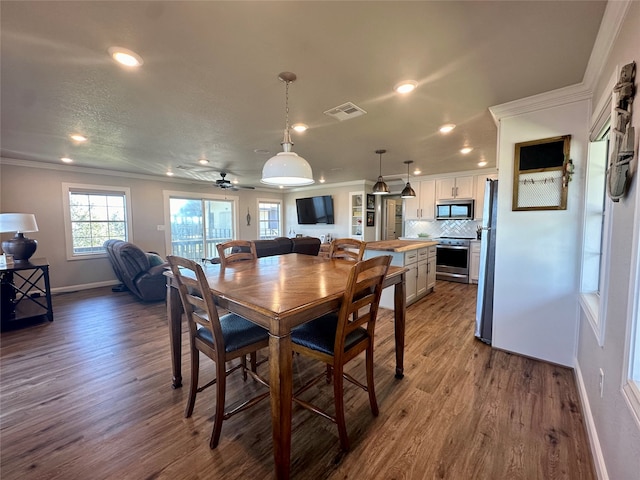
[(314, 210)]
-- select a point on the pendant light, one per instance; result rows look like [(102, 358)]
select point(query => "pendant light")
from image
[(408, 192), (287, 167), (380, 188)]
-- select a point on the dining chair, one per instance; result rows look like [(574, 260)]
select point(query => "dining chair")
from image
[(347, 248), (236, 251), (221, 338), (337, 338)]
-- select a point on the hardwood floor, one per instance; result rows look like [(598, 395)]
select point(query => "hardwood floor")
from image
[(89, 397)]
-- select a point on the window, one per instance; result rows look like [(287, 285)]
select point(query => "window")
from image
[(596, 235), (92, 215), (269, 224), (197, 224), (631, 387)]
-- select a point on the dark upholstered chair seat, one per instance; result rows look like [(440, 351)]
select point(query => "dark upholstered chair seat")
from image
[(320, 334), (237, 332)]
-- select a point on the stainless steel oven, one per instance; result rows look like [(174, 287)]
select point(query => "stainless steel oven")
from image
[(452, 260)]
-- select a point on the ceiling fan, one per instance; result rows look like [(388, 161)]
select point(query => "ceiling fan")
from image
[(227, 185)]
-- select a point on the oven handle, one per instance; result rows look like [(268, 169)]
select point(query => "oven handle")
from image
[(453, 247)]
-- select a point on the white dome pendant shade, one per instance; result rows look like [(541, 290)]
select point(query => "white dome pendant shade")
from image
[(287, 168), (380, 188)]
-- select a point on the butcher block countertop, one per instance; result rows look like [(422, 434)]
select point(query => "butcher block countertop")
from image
[(399, 245)]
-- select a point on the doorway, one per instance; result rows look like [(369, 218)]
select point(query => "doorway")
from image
[(391, 217)]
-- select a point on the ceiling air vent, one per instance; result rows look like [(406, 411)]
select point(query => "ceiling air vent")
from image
[(345, 111)]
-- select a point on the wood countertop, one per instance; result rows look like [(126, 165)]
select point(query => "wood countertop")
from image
[(399, 245)]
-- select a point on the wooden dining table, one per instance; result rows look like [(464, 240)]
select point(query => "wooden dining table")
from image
[(280, 293)]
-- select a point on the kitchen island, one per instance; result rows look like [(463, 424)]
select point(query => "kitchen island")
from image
[(418, 257)]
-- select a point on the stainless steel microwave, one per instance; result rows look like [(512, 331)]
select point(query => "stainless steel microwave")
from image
[(454, 210)]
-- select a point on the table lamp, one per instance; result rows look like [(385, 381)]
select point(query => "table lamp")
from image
[(20, 247)]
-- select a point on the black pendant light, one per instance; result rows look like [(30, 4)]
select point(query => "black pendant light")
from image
[(408, 192), (380, 188)]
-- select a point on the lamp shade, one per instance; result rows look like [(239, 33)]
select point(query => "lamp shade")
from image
[(18, 222), (380, 188), (20, 247), (408, 192), (287, 168)]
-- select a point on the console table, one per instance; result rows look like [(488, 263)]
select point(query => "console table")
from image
[(25, 292)]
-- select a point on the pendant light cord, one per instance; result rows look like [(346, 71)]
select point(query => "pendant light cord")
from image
[(287, 136)]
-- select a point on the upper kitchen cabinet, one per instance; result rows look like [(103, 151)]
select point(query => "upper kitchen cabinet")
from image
[(481, 181), (423, 205), (453, 188)]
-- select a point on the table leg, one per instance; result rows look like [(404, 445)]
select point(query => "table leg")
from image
[(281, 379), (400, 309), (174, 319)]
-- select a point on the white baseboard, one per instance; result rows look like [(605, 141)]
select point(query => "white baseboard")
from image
[(84, 286), (594, 441)]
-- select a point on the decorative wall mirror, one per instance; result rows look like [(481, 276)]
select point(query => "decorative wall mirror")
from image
[(541, 174)]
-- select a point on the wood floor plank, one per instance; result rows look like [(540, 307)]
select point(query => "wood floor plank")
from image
[(89, 397)]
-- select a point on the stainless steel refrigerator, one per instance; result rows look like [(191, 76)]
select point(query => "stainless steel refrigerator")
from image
[(484, 307)]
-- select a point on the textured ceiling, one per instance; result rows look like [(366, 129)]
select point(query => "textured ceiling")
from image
[(209, 87)]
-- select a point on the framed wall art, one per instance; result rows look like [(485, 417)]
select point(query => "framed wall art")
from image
[(541, 174), (371, 202), (371, 219)]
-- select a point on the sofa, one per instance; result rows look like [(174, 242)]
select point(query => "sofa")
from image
[(282, 246), (142, 273)]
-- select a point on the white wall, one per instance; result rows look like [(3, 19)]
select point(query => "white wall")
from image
[(35, 188), (537, 269), (614, 432), (340, 194)]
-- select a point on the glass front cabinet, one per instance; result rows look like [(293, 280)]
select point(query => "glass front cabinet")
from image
[(362, 217)]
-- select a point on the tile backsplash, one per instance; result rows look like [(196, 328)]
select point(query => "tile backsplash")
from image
[(438, 228)]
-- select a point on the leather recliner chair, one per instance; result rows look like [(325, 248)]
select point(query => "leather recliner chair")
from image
[(142, 273)]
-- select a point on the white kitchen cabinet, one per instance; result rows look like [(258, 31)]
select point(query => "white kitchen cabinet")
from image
[(452, 188), (421, 274), (474, 261), (431, 269), (481, 181), (420, 263), (423, 205)]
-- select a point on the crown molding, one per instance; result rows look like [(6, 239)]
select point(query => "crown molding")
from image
[(612, 20), (542, 101), (610, 26)]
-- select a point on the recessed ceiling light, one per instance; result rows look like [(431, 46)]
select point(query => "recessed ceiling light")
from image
[(235, 181), (67, 160), (406, 86), (466, 150), (448, 128), (203, 161), (300, 127), (482, 163), (169, 174), (322, 180), (281, 186), (417, 171), (76, 137), (125, 57)]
